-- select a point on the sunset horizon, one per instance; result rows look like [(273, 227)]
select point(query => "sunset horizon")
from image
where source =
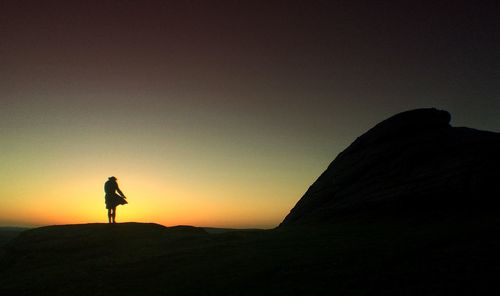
[(217, 114)]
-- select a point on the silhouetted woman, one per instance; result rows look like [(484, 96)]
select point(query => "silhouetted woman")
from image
[(112, 198)]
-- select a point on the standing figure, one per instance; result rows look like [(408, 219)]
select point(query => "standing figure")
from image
[(113, 199)]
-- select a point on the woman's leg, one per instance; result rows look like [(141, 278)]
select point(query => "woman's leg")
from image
[(109, 215), (114, 215)]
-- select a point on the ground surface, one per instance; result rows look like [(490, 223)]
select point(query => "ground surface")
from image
[(354, 256)]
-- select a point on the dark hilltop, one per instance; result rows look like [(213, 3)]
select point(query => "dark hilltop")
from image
[(409, 208), (413, 163)]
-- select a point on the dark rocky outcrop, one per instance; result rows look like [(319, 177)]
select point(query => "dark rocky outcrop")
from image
[(413, 163)]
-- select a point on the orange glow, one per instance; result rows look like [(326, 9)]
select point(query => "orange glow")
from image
[(192, 174), (77, 197)]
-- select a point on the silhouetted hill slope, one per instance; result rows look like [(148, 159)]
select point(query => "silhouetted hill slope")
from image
[(411, 163), (8, 233)]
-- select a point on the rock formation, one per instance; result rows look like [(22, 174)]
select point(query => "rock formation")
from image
[(412, 162)]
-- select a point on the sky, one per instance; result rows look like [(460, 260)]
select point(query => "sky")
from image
[(219, 113)]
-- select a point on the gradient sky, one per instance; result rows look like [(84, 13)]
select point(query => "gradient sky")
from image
[(219, 113)]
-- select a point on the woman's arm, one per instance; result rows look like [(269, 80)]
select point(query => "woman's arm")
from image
[(120, 192)]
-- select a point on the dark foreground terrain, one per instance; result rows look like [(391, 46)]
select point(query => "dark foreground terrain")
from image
[(391, 256), (7, 234)]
